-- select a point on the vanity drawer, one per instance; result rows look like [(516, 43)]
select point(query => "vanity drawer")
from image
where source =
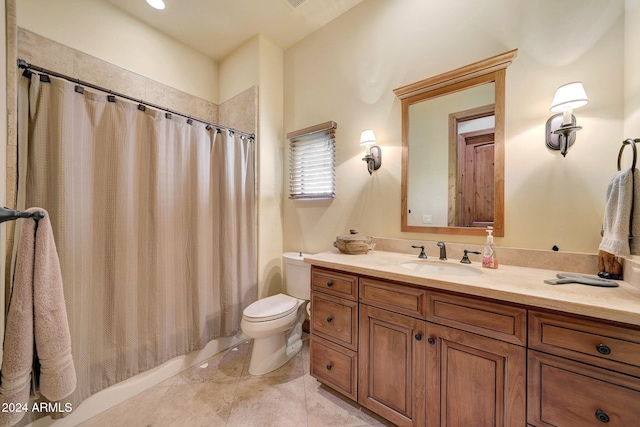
[(334, 366), (335, 319), (564, 393), (331, 282), (610, 346), (394, 297), (492, 319)]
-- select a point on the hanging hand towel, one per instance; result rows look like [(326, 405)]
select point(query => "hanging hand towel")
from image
[(635, 220), (36, 311), (617, 215), (18, 339), (53, 340)]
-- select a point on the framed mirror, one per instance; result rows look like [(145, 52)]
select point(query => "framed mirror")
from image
[(453, 150)]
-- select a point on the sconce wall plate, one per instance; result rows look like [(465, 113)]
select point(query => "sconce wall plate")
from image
[(553, 139), (374, 159)]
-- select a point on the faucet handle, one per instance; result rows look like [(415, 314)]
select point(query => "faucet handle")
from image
[(422, 254), (465, 258)]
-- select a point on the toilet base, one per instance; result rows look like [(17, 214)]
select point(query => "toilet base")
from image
[(270, 353)]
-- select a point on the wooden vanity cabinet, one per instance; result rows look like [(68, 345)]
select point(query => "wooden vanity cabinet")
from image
[(566, 393), (391, 374), (333, 342), (582, 372), (466, 371), (474, 380), (425, 357)]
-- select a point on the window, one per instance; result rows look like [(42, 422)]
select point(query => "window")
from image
[(312, 159)]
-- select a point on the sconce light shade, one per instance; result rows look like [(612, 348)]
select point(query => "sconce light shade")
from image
[(571, 95), (373, 154), (367, 137), (561, 128)]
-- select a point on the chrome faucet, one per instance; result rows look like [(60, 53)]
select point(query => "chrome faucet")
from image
[(443, 251)]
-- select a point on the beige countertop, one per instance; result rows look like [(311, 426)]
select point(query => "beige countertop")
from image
[(521, 285)]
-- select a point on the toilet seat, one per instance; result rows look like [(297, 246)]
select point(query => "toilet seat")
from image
[(270, 308)]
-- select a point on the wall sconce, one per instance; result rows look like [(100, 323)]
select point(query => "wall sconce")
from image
[(373, 155), (561, 127)]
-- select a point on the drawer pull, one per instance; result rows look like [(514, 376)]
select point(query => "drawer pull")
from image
[(329, 366), (431, 341), (329, 283), (329, 319), (601, 416), (603, 349), (418, 337)]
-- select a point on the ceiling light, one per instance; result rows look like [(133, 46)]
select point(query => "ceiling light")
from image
[(158, 4)]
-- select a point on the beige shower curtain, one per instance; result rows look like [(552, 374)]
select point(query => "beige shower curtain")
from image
[(154, 221)]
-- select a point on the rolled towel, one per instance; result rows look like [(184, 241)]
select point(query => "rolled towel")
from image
[(617, 215)]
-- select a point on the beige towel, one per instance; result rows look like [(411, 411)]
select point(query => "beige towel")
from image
[(18, 342), (617, 215), (36, 311), (635, 220)]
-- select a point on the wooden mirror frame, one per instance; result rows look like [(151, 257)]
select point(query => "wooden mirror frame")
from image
[(486, 71)]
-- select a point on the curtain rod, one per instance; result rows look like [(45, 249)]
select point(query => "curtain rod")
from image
[(28, 67)]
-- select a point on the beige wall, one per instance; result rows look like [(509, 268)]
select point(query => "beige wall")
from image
[(632, 69), (347, 70), (86, 25), (240, 69), (259, 62)]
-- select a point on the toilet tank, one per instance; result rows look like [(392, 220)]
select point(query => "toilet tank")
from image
[(297, 275)]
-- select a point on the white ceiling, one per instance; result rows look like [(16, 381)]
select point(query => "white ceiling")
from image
[(217, 27)]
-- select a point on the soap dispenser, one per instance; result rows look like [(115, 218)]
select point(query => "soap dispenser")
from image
[(489, 259)]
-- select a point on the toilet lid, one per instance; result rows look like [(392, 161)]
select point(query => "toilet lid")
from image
[(270, 308)]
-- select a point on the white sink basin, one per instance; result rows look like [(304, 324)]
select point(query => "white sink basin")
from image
[(441, 267)]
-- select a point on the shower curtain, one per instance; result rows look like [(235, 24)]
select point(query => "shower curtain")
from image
[(154, 222)]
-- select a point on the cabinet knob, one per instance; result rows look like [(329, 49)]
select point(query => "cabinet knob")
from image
[(603, 349), (329, 283), (418, 337), (601, 416), (329, 366), (431, 341), (329, 319)]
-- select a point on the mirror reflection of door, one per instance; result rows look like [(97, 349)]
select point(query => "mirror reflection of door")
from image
[(471, 168), (475, 175)]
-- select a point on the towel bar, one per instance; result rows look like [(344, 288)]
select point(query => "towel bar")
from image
[(631, 142), (7, 214)]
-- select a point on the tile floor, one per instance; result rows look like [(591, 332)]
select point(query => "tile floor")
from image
[(224, 394)]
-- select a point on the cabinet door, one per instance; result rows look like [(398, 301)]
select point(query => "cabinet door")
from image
[(391, 375), (474, 380)]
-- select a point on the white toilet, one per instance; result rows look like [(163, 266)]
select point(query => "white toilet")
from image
[(275, 322)]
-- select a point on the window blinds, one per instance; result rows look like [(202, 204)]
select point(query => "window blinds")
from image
[(312, 162)]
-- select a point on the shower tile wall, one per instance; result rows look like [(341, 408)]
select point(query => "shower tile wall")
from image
[(240, 112)]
